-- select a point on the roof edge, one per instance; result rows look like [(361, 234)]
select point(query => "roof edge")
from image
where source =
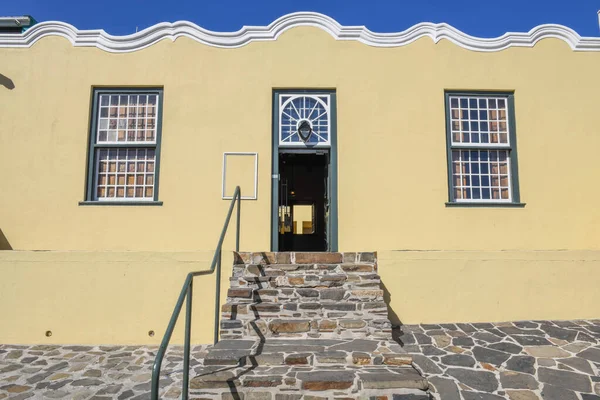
[(248, 34)]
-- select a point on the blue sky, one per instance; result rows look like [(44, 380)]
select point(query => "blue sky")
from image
[(485, 18)]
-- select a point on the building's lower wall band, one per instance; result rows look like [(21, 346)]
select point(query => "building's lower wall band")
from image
[(119, 297)]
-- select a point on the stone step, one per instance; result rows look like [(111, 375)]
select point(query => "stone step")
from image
[(275, 382), (304, 309), (296, 295), (266, 307), (337, 275), (310, 281), (307, 352), (312, 358), (254, 270), (322, 325), (270, 258)]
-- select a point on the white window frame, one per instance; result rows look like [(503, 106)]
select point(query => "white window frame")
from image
[(254, 196)]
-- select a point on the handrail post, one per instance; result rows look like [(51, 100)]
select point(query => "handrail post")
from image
[(217, 298), (186, 345), (155, 383), (186, 295), (237, 233), (162, 349)]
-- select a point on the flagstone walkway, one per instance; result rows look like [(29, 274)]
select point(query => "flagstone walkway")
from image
[(88, 372), (524, 360)]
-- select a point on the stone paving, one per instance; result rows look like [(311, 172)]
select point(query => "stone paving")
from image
[(88, 372), (286, 369), (527, 360)]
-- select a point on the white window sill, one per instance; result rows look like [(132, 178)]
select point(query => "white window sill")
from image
[(498, 204), (121, 203)]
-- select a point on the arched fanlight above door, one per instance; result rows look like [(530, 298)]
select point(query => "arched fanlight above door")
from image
[(304, 120)]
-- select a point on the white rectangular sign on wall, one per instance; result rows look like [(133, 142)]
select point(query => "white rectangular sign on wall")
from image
[(240, 169)]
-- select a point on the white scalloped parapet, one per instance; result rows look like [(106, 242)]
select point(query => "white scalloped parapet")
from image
[(248, 34)]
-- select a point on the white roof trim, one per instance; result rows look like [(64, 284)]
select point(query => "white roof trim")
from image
[(147, 37)]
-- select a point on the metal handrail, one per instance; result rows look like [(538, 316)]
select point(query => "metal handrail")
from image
[(186, 294)]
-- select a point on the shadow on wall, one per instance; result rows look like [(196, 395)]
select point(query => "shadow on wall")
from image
[(387, 297), (392, 316), (7, 82), (4, 245)]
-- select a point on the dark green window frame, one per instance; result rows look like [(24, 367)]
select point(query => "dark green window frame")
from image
[(515, 199), (94, 147), (333, 167)]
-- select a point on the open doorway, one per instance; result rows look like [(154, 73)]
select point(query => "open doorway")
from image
[(304, 212), (303, 201)]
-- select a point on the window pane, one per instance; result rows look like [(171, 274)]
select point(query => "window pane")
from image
[(125, 173), (480, 175), (134, 116), (479, 116)]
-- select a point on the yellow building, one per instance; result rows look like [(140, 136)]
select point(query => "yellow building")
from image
[(470, 165)]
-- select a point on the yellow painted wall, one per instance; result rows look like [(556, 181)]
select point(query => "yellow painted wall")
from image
[(104, 297), (391, 129), (118, 297), (475, 286), (392, 180)]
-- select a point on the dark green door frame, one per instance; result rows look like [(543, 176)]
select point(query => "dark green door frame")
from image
[(332, 239)]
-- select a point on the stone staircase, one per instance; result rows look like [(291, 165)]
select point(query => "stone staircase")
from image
[(306, 326)]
